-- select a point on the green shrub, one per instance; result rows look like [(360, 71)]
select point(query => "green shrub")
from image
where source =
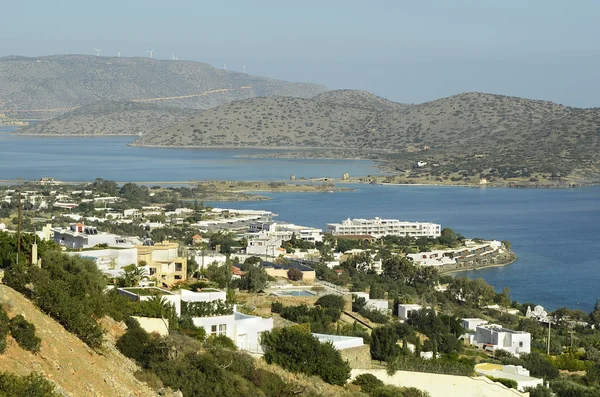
[(187, 327), (367, 382), (24, 333), (276, 307), (271, 384), (448, 366), (221, 341), (137, 344), (298, 351), (4, 329), (374, 315), (331, 301), (32, 385), (510, 383)]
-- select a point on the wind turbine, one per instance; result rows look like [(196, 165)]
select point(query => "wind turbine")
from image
[(244, 69), (97, 51), (150, 52), (224, 67), (119, 54)]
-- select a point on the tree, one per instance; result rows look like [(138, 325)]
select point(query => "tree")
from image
[(376, 291), (133, 192), (539, 391), (539, 365), (399, 269), (448, 237), (595, 315), (383, 344), (256, 279), (331, 301), (295, 274), (220, 274), (296, 350)]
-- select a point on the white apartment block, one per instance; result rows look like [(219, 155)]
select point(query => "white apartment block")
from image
[(79, 236), (305, 233), (493, 337), (378, 227)]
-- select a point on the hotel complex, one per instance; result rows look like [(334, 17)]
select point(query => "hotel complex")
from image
[(384, 227)]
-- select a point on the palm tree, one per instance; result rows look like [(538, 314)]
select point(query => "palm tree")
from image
[(157, 307)]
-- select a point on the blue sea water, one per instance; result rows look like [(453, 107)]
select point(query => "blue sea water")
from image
[(554, 232), (86, 158)]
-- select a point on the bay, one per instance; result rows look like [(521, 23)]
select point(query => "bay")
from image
[(76, 159), (554, 232)]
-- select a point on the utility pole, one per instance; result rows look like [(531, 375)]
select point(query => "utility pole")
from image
[(19, 222), (549, 326)]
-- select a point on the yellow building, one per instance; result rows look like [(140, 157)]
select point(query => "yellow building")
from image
[(163, 262)]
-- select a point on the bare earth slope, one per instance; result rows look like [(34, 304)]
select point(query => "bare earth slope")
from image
[(112, 118), (64, 359), (481, 132), (61, 82)]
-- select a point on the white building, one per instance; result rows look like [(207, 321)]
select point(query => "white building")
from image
[(340, 342), (109, 260), (493, 337), (263, 244), (384, 227), (205, 258), (79, 236), (243, 329), (515, 372), (381, 305), (404, 309), (470, 324), (305, 233)]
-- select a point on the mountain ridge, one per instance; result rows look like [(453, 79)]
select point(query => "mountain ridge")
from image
[(474, 133), (58, 83)]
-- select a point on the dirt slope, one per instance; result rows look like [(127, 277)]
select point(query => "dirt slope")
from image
[(76, 369)]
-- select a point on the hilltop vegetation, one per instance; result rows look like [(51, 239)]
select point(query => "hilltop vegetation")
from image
[(464, 136), (61, 82), (111, 118)]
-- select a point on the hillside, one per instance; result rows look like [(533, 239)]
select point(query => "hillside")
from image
[(111, 118), (471, 133), (44, 87), (67, 361)]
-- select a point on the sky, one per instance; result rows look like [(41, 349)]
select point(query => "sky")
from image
[(407, 51)]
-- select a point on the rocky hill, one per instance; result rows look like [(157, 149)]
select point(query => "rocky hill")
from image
[(112, 118), (475, 133), (44, 87), (74, 368)]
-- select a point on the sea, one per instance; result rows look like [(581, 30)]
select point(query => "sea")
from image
[(554, 232)]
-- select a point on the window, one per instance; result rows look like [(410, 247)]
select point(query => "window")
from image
[(178, 267), (152, 271), (520, 344), (178, 277), (222, 329), (213, 329)]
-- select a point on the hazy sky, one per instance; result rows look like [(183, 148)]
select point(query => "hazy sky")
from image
[(408, 51)]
